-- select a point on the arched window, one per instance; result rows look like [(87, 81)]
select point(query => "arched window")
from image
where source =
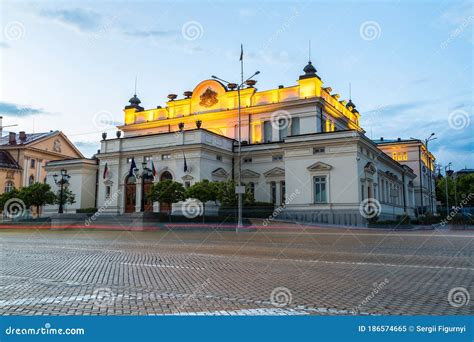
[(165, 176), (9, 186), (31, 180)]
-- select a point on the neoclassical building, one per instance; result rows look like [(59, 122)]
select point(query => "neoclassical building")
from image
[(302, 147)]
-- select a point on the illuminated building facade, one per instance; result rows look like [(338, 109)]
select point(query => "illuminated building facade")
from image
[(301, 146), (414, 153)]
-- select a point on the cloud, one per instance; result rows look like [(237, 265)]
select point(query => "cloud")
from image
[(13, 109), (396, 109), (151, 33), (4, 45), (83, 20)]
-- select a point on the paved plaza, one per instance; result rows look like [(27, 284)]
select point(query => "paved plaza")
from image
[(319, 271)]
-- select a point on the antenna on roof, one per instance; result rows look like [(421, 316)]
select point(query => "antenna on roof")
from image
[(309, 50)]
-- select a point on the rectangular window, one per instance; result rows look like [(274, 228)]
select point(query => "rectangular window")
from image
[(247, 160), (32, 163), (273, 192), (129, 160), (317, 150), (107, 191), (282, 192), (277, 158), (187, 185), (147, 158), (165, 156), (282, 129), (219, 158), (267, 131), (362, 192), (320, 194), (295, 126)]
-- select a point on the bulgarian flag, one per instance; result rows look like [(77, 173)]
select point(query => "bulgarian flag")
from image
[(151, 166), (106, 171)]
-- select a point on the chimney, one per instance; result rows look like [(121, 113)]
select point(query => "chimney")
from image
[(12, 138), (22, 136)]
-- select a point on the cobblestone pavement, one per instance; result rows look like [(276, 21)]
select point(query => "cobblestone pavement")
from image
[(322, 271)]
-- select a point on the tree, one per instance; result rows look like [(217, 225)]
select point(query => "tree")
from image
[(460, 190), (203, 191), (167, 191), (68, 197), (228, 198), (37, 195), (5, 197)]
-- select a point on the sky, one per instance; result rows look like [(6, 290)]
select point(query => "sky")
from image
[(71, 66)]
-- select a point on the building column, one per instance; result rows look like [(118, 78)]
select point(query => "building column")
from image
[(26, 169), (138, 195)]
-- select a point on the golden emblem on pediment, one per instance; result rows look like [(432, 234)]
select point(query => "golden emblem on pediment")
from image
[(208, 98)]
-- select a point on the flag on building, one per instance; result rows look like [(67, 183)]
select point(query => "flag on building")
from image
[(185, 164), (106, 172), (241, 52), (133, 166), (151, 166)]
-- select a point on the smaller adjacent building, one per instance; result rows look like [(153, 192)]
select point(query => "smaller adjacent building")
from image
[(23, 156), (82, 182), (415, 154)]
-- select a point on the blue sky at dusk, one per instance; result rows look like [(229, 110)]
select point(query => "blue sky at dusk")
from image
[(409, 62)]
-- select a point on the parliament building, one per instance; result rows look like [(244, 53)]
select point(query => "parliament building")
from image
[(302, 148)]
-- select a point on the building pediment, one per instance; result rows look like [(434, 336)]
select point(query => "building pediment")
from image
[(187, 178), (250, 174), (319, 166), (275, 172), (370, 168), (220, 172)]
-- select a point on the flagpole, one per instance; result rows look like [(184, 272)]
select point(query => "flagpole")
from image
[(239, 209)]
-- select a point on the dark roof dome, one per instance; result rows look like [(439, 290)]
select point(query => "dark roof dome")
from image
[(134, 103), (350, 104), (309, 69), (135, 100)]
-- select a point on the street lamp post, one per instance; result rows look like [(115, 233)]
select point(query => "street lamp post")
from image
[(446, 181), (427, 140), (61, 182), (239, 179)]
